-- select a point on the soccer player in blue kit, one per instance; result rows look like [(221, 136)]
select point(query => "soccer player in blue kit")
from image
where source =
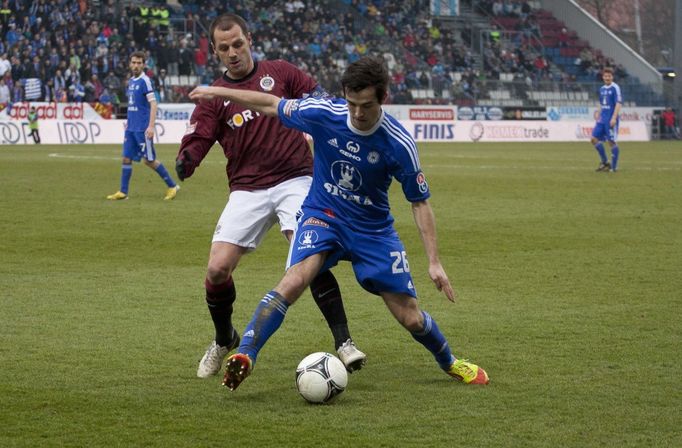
[(138, 141), (606, 127), (346, 216)]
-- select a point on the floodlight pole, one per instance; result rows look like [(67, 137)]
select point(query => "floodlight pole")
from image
[(638, 29)]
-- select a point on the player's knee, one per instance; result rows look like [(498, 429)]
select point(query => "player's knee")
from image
[(218, 273), (412, 323), (411, 319)]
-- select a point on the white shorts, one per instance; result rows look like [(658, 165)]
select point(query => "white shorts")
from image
[(249, 215)]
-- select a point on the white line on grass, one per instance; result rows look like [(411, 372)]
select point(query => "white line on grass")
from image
[(73, 157), (66, 156)]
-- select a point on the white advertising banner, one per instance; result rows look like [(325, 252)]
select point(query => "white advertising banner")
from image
[(423, 113), (51, 111), (582, 113), (516, 131), (171, 131), (175, 111), (85, 132)]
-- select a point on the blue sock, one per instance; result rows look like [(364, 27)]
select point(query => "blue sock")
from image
[(602, 153), (615, 152), (434, 341), (165, 176), (126, 173), (267, 318)]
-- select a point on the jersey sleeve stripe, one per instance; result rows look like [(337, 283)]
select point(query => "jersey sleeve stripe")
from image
[(305, 105), (313, 100), (148, 83), (619, 97), (405, 140)]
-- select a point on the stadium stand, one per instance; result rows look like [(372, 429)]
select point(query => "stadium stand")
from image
[(496, 52)]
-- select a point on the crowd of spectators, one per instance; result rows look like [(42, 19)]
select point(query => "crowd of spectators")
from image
[(77, 52), (66, 50), (71, 51), (522, 24)]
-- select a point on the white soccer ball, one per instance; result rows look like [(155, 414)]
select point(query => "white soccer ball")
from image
[(320, 377)]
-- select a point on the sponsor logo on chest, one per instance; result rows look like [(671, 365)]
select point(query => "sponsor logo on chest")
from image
[(241, 118)]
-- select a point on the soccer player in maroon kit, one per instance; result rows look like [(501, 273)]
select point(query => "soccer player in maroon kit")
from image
[(269, 172)]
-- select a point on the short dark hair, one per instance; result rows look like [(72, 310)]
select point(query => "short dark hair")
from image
[(138, 54), (366, 72), (225, 22), (607, 70)]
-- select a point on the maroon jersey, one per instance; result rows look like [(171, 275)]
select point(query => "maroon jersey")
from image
[(260, 151)]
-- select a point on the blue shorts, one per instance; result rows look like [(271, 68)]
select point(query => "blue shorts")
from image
[(136, 146), (603, 132), (379, 259)]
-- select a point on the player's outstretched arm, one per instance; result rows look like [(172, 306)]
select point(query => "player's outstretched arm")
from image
[(263, 103), (426, 223)]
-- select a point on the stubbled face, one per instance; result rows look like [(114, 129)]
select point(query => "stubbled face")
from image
[(364, 108), (136, 66), (607, 77), (234, 50)]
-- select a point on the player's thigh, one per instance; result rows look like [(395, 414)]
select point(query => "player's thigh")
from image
[(246, 219), (224, 257), (380, 264), (131, 146), (288, 197), (600, 132)]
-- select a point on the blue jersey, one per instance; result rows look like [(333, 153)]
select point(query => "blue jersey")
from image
[(353, 170), (609, 96), (140, 94)]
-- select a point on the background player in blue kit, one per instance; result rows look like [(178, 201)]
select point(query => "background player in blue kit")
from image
[(139, 134), (606, 127), (359, 149)]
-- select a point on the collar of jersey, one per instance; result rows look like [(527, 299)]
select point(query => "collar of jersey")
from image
[(369, 131), (245, 78)]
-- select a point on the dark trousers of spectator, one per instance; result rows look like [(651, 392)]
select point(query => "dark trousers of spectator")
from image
[(173, 69), (670, 132), (36, 136)]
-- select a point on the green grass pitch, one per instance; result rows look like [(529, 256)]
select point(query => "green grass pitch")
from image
[(569, 287)]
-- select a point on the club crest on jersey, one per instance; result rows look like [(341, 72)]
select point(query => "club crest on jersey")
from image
[(421, 181), (307, 239), (267, 83), (346, 176), (373, 157)]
